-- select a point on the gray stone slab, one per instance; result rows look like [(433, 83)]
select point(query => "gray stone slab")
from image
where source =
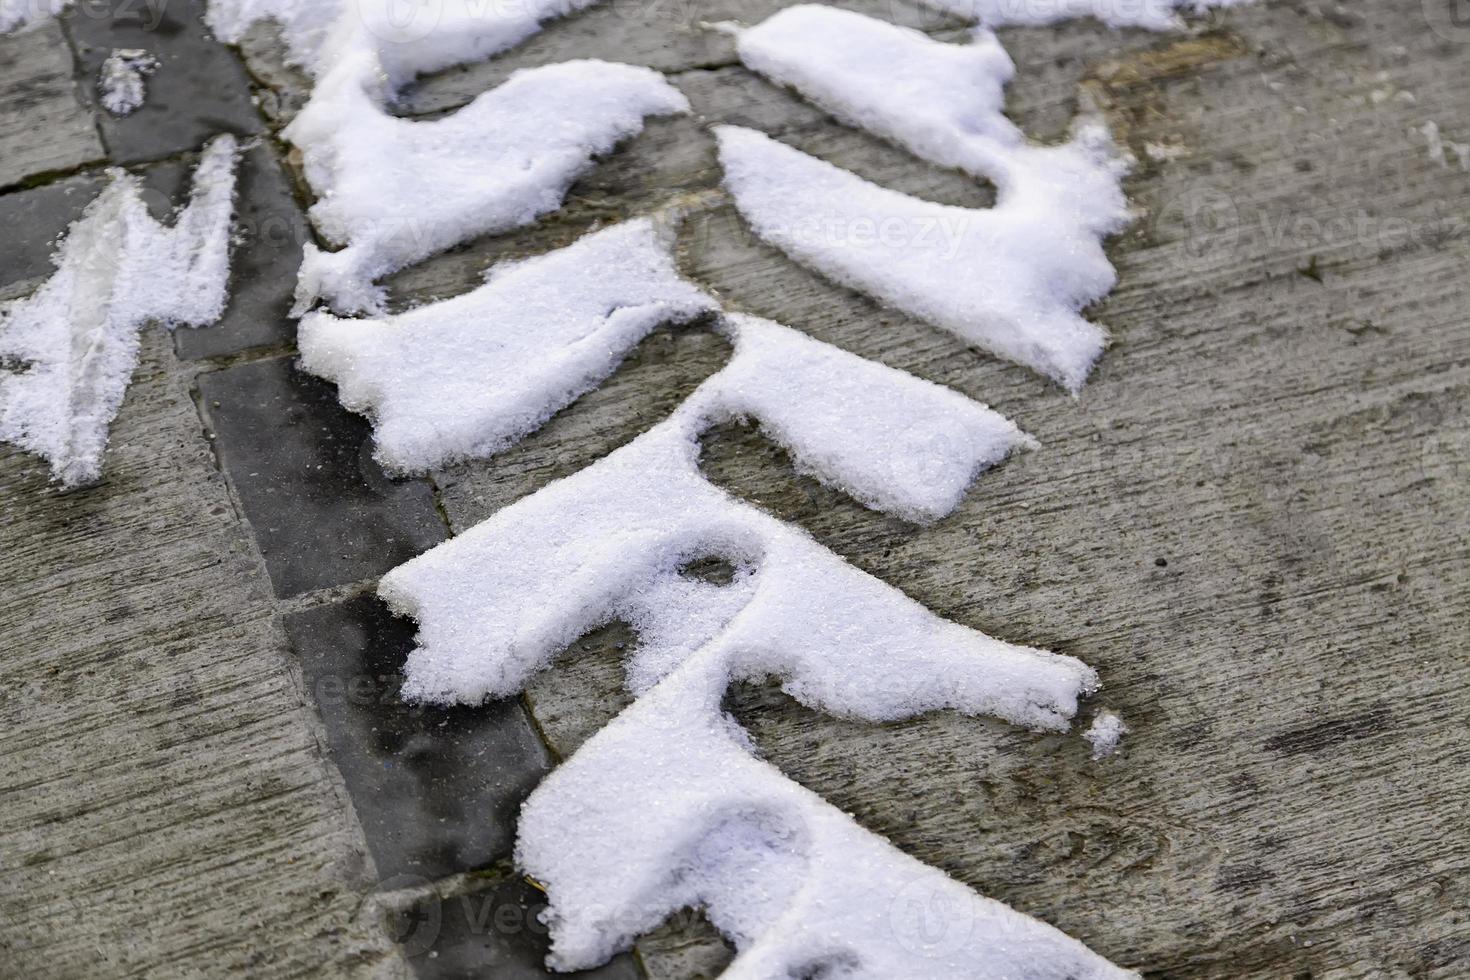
[(34, 221), (322, 510), (436, 789), (200, 88), (164, 807), (45, 126)]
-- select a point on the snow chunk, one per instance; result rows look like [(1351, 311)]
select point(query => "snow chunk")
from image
[(798, 886), (1154, 15), (468, 376), (995, 278), (120, 85), (1009, 279), (1106, 732), (894, 442), (398, 190), (69, 349), (22, 15)]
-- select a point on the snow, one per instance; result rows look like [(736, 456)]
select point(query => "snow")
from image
[(394, 191), (1010, 279), (399, 190), (797, 885), (498, 602), (468, 376), (23, 15), (69, 348), (1106, 732), (791, 880), (1154, 15), (120, 85)]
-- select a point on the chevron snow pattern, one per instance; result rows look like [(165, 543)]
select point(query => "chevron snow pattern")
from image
[(791, 880), (799, 887)]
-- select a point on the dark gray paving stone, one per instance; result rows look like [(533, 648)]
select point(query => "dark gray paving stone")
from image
[(436, 789), (269, 231), (495, 932), (199, 89), (323, 511), (34, 219)]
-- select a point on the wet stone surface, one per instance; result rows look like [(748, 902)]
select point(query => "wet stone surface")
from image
[(436, 789), (199, 90), (323, 511), (269, 231), (34, 219)]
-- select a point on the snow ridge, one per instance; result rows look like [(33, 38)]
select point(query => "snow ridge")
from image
[(1010, 279), (394, 191), (67, 351)]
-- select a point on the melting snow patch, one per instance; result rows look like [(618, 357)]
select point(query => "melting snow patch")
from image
[(1009, 279), (1154, 15), (498, 602), (468, 376), (120, 84), (72, 345), (1106, 732)]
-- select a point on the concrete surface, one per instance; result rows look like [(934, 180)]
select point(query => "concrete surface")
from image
[(1255, 522)]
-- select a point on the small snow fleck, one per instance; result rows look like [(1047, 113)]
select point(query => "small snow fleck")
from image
[(120, 83), (1106, 731)]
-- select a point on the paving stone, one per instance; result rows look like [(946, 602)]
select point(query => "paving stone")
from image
[(45, 126), (165, 809), (33, 221), (322, 509), (199, 89), (493, 932), (436, 789), (269, 231)]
